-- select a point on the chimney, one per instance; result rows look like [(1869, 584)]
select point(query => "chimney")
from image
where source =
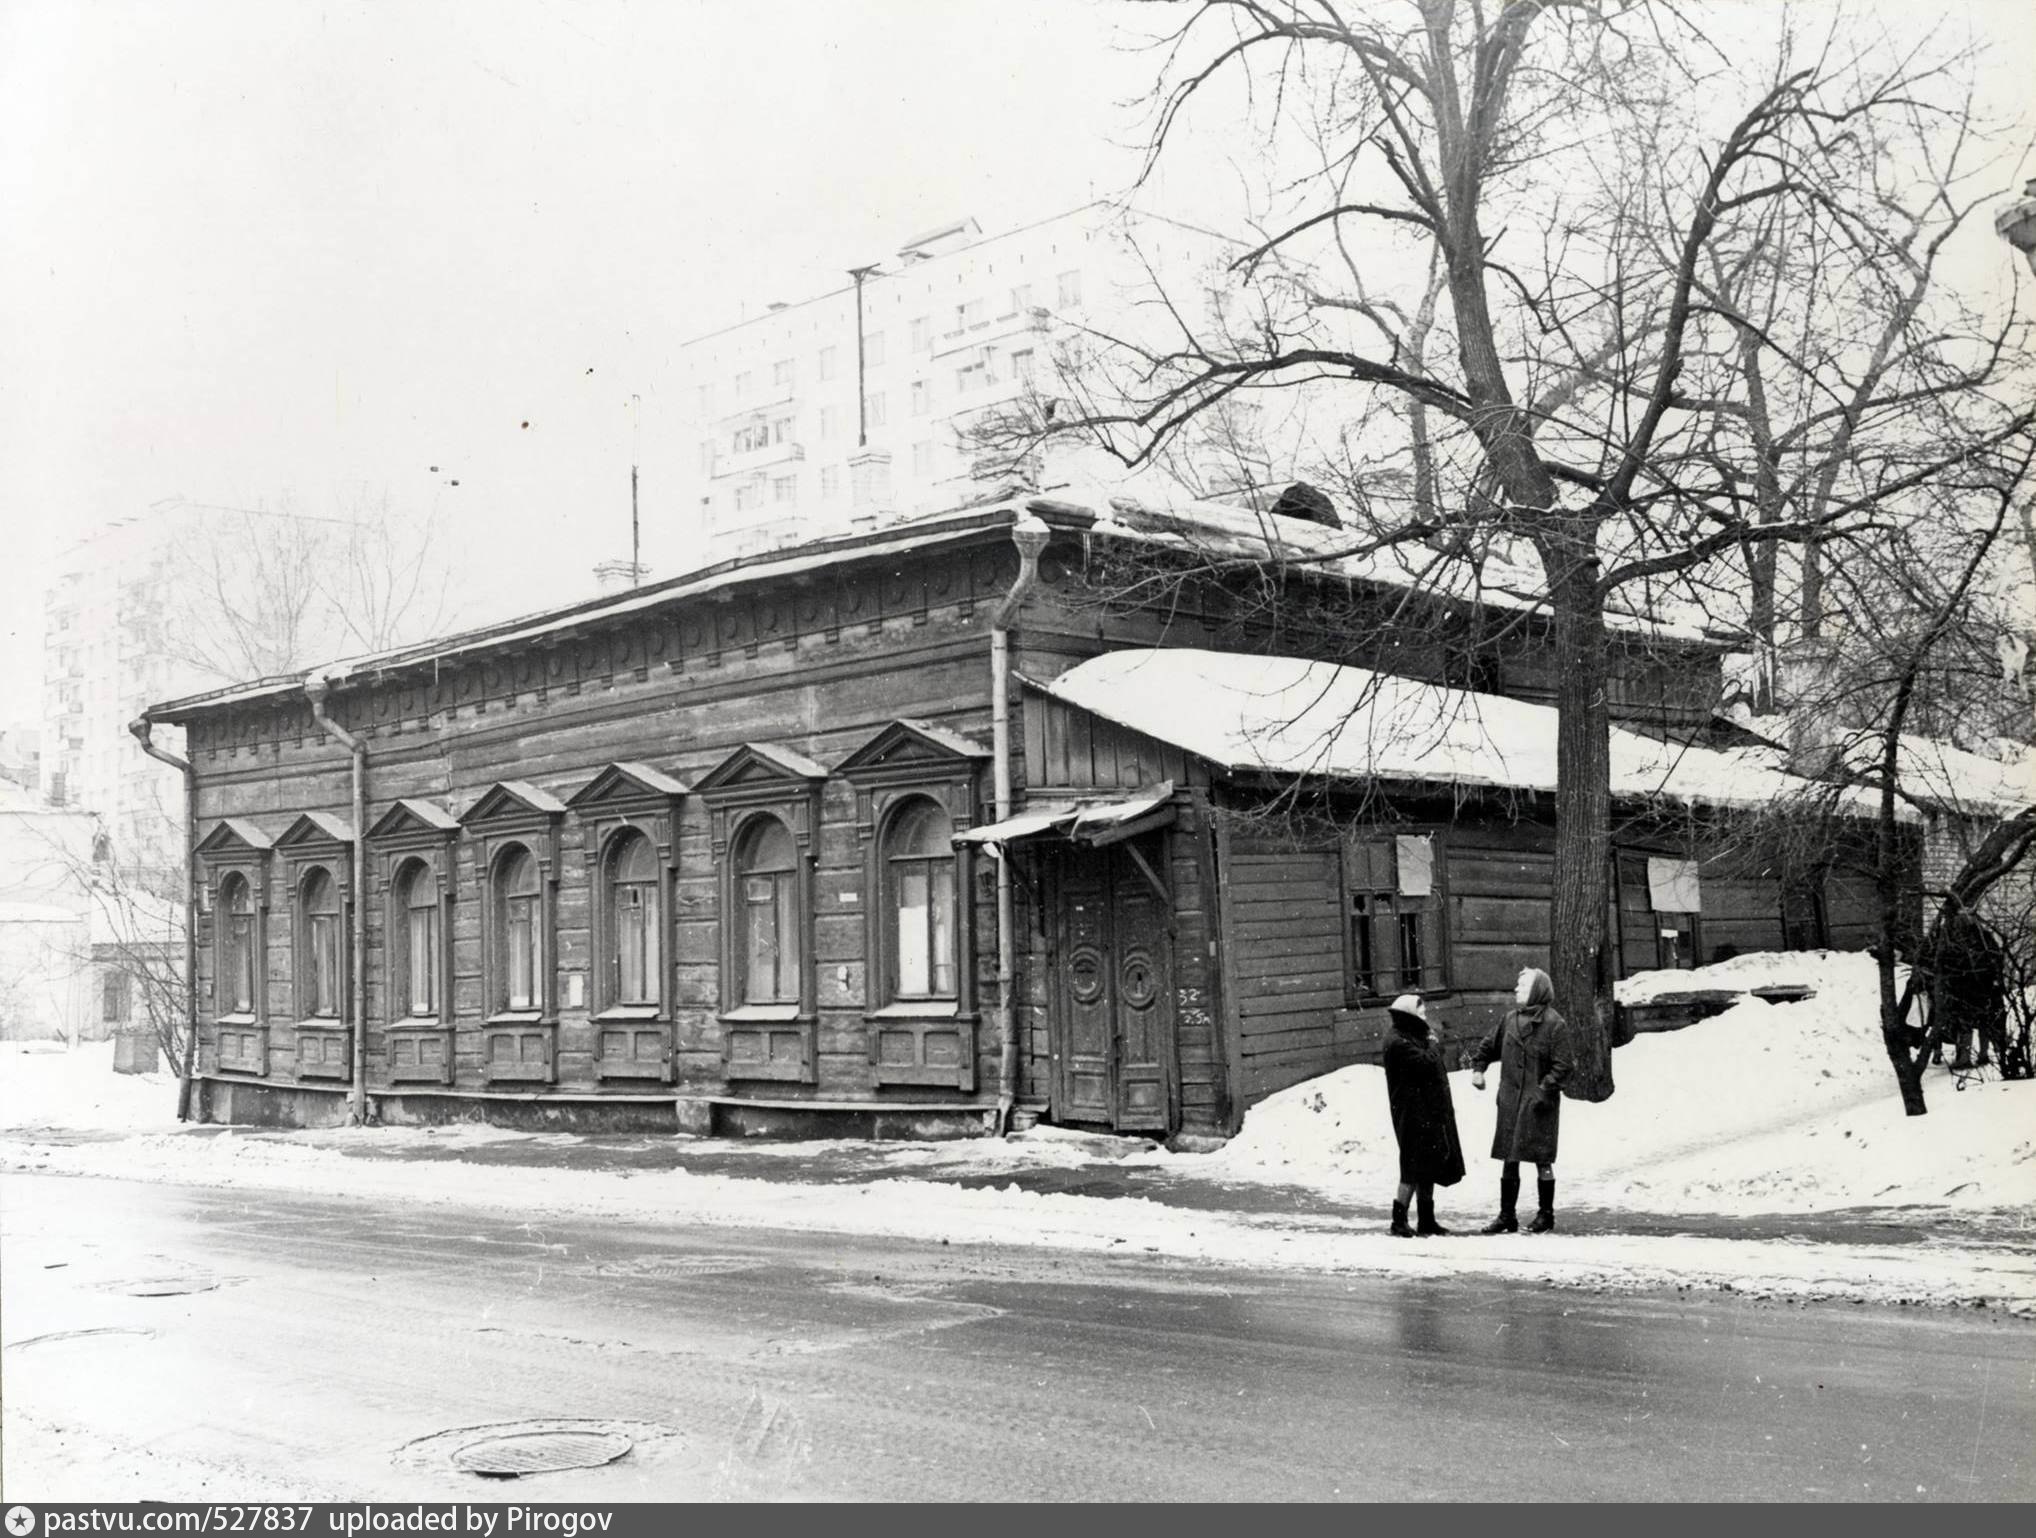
[(1806, 692)]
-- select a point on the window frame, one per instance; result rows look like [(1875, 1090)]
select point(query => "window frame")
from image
[(887, 892), (913, 1040), (509, 911), (785, 906), (236, 853), (1378, 949), (778, 1040), (310, 979)]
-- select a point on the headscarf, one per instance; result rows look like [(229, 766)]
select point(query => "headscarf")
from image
[(1540, 990)]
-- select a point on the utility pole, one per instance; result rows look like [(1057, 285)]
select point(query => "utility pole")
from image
[(862, 409)]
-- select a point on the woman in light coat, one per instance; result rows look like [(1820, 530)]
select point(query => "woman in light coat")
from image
[(1531, 1047)]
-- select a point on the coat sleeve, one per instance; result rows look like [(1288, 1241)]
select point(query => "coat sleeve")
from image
[(1561, 1055), (1488, 1049)]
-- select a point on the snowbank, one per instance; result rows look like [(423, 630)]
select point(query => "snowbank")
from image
[(1763, 1108), (78, 1090)]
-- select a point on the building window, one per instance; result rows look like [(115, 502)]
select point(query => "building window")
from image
[(919, 903), (873, 349), (826, 423), (876, 408), (1021, 298), (1070, 290), (319, 971), (706, 455), (830, 480), (632, 922), (922, 459), (519, 932), (922, 397), (706, 400), (922, 333), (829, 363), (782, 429), (115, 998), (767, 914), (969, 314), (781, 373), (1022, 364), (748, 439), (743, 384), (749, 496), (413, 966), (785, 490), (1396, 939)]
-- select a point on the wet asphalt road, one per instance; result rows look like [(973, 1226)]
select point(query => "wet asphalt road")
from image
[(327, 1352)]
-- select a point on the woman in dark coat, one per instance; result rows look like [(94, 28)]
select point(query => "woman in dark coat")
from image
[(1531, 1047), (1424, 1119)]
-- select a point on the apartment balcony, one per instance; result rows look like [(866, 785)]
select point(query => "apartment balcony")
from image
[(751, 461)]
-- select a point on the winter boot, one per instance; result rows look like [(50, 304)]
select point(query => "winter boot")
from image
[(1507, 1222), (1544, 1220), (1424, 1208), (1400, 1230)]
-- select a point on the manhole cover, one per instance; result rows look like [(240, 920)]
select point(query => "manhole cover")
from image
[(66, 1337), (655, 1266), (540, 1452)]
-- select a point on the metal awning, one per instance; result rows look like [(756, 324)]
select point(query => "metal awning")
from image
[(1102, 822)]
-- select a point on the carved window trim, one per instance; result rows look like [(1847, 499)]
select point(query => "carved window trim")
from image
[(755, 782), (416, 1048), (237, 849), (907, 762)]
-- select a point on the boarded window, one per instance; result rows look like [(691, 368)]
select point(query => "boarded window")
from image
[(1396, 937)]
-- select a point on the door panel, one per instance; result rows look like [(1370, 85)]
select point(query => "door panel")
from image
[(1114, 1028), (1144, 998), (1087, 1090)]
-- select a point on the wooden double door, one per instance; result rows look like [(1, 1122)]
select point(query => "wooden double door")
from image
[(1111, 1001)]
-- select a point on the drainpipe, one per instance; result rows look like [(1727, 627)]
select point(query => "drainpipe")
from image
[(315, 691), (1030, 535), (142, 728)]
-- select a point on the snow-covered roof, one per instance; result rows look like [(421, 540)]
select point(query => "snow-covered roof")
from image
[(1931, 770), (1502, 579), (1213, 530), (1291, 716)]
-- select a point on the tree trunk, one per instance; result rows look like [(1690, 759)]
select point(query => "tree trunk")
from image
[(1583, 798)]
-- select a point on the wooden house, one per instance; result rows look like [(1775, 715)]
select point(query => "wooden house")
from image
[(736, 852)]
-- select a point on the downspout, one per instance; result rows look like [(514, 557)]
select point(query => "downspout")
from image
[(1030, 535), (315, 691), (142, 728)]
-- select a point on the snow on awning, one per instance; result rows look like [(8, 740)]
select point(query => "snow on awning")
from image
[(1292, 716), (1104, 822)]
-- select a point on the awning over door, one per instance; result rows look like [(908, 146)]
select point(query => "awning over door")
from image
[(1104, 822)]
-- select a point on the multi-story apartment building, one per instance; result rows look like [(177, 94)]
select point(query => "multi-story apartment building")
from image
[(102, 661), (850, 409)]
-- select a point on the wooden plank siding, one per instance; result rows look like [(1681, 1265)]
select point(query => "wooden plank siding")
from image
[(556, 718)]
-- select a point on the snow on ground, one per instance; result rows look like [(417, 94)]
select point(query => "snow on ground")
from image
[(45, 1085), (1777, 1108)]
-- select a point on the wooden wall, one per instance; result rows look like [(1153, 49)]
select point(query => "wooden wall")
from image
[(820, 669)]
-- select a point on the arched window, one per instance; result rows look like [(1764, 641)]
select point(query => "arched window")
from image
[(318, 960), (767, 914), (413, 970), (236, 947), (632, 921), (919, 907), (519, 933)]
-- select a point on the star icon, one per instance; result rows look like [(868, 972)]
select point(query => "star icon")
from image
[(20, 1521)]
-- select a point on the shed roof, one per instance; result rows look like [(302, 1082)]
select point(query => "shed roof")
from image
[(1287, 715)]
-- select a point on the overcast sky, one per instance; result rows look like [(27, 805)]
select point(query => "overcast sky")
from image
[(251, 248)]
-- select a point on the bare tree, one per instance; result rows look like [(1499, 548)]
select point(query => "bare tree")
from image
[(1571, 380)]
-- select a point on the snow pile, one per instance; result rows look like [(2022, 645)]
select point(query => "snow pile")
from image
[(1763, 1108), (79, 1091)]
